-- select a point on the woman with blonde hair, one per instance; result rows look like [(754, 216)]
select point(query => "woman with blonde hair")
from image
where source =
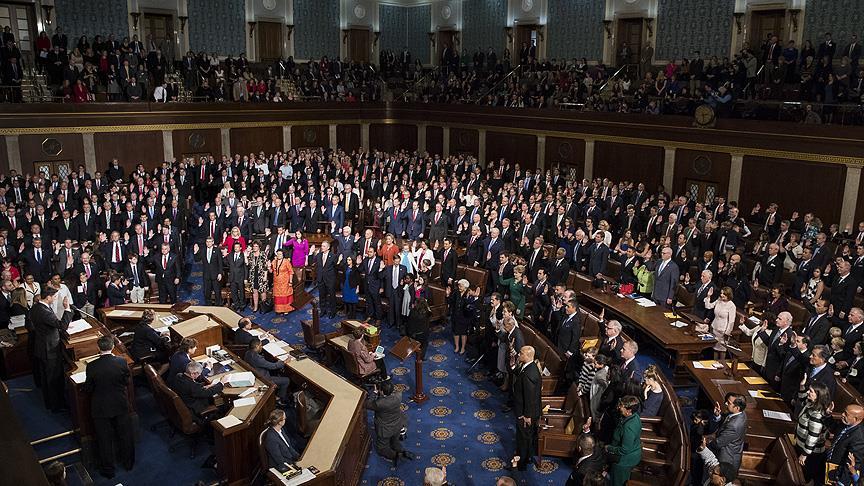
[(516, 288), (652, 392), (724, 319)]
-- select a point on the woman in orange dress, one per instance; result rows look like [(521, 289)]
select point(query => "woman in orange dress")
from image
[(283, 283), (388, 250)]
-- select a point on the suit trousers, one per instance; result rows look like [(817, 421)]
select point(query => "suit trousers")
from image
[(373, 305), (389, 447), (211, 286), (327, 293), (167, 291), (137, 295), (52, 381), (283, 383), (238, 294), (526, 441), (111, 433)]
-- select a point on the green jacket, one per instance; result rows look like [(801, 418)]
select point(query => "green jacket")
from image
[(626, 442), (516, 290), (645, 278)]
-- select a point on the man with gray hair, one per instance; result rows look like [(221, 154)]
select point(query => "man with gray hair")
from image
[(195, 395), (700, 291), (665, 278), (613, 343), (433, 476), (777, 342)]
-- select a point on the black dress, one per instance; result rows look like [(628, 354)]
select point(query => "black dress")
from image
[(417, 328), (461, 313)]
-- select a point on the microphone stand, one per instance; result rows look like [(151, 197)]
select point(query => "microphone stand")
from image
[(85, 314)]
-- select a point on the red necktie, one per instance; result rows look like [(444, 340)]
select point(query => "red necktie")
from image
[(213, 229), (87, 270), (116, 252), (165, 262), (140, 245)]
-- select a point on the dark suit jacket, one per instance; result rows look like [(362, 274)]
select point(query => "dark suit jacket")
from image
[(448, 265), (596, 462), (569, 333), (278, 452), (526, 392), (325, 273), (776, 353), (818, 330), (46, 329), (598, 256), (852, 441), (389, 419), (107, 382), (143, 278), (771, 272), (193, 393), (728, 444), (168, 273), (842, 294), (237, 271)]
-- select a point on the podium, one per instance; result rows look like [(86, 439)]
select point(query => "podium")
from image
[(404, 348)]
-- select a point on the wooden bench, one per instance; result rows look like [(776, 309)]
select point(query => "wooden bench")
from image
[(777, 465), (549, 358), (665, 443)]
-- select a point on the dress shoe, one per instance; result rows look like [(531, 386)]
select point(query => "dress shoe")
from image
[(409, 455)]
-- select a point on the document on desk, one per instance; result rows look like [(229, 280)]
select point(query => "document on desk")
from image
[(121, 313), (229, 421), (275, 350), (77, 326), (755, 380), (764, 394), (707, 365), (777, 415), (79, 377), (241, 380), (242, 402), (304, 477), (645, 302)]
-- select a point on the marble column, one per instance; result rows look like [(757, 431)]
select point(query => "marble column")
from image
[(421, 137), (286, 138), (589, 159), (541, 152), (850, 195), (735, 170), (332, 137), (13, 152), (446, 141), (364, 136), (669, 168), (167, 145), (226, 141), (89, 152), (481, 147)]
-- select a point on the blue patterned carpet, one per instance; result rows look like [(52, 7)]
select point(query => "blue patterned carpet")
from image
[(461, 425)]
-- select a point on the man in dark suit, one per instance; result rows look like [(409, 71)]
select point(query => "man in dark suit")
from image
[(559, 270), (371, 269), (48, 347), (803, 270), (848, 439), (819, 324), (325, 279), (475, 254), (771, 267), (211, 259), (589, 460), (280, 453), (390, 421), (792, 368), (777, 342), (842, 292), (139, 280), (167, 274), (819, 371), (6, 303), (335, 215), (493, 246), (438, 225), (37, 261), (570, 331), (854, 330), (107, 382), (415, 221), (393, 277), (700, 291), (265, 367), (448, 258), (526, 407), (237, 276), (196, 395), (598, 255), (729, 429)]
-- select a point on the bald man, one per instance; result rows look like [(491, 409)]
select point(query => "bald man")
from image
[(665, 278), (777, 342), (526, 407), (848, 438)]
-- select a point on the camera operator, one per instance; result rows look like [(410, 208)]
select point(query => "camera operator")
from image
[(390, 422)]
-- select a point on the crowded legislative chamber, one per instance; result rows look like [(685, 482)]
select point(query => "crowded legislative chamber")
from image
[(405, 242)]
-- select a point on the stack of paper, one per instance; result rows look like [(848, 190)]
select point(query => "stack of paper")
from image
[(275, 350), (78, 326), (670, 315), (79, 377), (764, 394), (755, 380), (16, 326), (777, 415), (241, 380), (707, 365), (645, 302), (754, 320), (241, 402), (229, 421), (121, 313)]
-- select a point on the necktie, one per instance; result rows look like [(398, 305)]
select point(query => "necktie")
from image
[(395, 276), (236, 257), (135, 276), (165, 262), (140, 245), (662, 266), (116, 252), (12, 220), (213, 229), (38, 255)]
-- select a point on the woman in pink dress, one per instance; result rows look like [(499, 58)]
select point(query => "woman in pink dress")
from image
[(299, 254)]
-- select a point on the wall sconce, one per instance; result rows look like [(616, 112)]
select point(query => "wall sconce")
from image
[(793, 16), (345, 33), (607, 24), (47, 9), (183, 19), (431, 36), (649, 24), (135, 17), (739, 16), (508, 31), (541, 31), (290, 28), (252, 28), (375, 37)]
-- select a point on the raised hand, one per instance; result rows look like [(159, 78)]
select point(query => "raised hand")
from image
[(717, 409)]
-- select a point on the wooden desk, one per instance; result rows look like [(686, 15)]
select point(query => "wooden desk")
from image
[(651, 322), (205, 329), (18, 461), (761, 431), (16, 360)]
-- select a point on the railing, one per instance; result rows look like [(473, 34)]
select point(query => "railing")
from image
[(625, 67), (515, 71), (420, 82)]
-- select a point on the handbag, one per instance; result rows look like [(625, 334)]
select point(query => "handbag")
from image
[(266, 306)]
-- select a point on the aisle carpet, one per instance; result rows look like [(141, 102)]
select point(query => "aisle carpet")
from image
[(461, 426)]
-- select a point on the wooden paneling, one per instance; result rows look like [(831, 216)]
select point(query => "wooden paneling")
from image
[(197, 142), (348, 137), (4, 157), (794, 186), (130, 149), (254, 140), (566, 153), (310, 136), (513, 148), (464, 141), (392, 137), (434, 140), (623, 162), (701, 166), (31, 150)]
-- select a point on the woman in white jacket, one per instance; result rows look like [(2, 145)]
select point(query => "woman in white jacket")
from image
[(724, 319)]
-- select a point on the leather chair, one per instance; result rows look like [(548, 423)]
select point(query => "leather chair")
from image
[(312, 332), (178, 414), (153, 292), (306, 422), (476, 277), (354, 369)]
